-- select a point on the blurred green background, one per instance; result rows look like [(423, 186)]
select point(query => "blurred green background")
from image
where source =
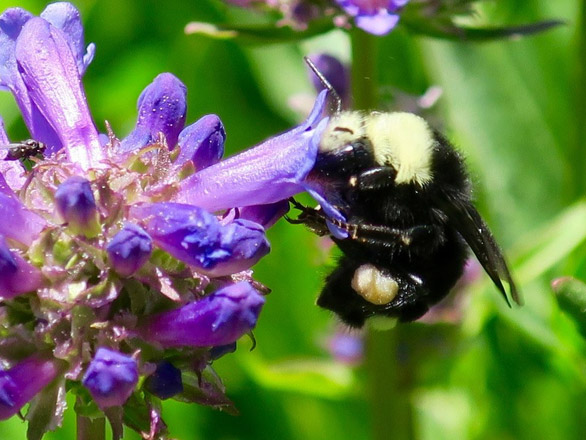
[(515, 108)]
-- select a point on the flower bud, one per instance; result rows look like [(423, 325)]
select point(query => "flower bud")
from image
[(16, 275), (165, 382), (202, 142), (218, 319), (129, 249), (21, 383), (76, 204), (111, 377)]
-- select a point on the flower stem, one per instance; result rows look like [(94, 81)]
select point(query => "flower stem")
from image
[(580, 103), (91, 429), (390, 379)]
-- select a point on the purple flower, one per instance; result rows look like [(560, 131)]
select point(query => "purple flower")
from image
[(16, 274), (21, 383), (111, 377), (166, 381), (347, 347), (218, 319), (197, 237), (76, 204), (377, 17), (334, 71), (129, 249)]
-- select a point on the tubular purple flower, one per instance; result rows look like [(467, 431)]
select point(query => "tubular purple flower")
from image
[(272, 171), (202, 142), (218, 319), (76, 204), (129, 249), (265, 215), (16, 275), (196, 237), (18, 223), (165, 382), (21, 383), (53, 83), (111, 377), (161, 109), (377, 17)]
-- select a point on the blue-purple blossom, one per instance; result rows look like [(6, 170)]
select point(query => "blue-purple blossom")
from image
[(220, 318), (346, 346), (166, 381), (111, 377), (377, 17), (76, 204), (197, 237), (19, 384), (129, 249)]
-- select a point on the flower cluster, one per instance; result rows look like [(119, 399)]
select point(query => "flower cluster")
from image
[(125, 258), (377, 17)]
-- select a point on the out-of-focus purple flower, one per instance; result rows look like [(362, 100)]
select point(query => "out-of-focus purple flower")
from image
[(377, 17), (161, 110), (218, 319), (166, 381), (196, 237), (16, 274), (76, 204), (334, 71), (111, 377), (347, 346), (21, 383), (202, 142), (129, 249)]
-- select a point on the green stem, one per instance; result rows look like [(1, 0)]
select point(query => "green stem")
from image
[(91, 429), (390, 379), (580, 102)]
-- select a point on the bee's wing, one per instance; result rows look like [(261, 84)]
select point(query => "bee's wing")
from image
[(467, 221)]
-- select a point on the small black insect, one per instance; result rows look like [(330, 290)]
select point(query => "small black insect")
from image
[(23, 150), (409, 218)]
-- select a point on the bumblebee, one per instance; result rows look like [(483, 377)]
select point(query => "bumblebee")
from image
[(405, 195)]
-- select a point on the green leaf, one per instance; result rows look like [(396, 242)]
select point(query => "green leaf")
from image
[(46, 410), (259, 34), (447, 30)]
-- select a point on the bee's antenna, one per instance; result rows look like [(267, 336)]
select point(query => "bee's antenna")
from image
[(326, 84)]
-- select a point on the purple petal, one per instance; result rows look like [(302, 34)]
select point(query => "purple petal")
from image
[(16, 275), (49, 70), (17, 386), (165, 382), (196, 237), (218, 319), (11, 23), (161, 109), (265, 215), (267, 173), (18, 223), (129, 249), (111, 377), (379, 24), (202, 142), (65, 16)]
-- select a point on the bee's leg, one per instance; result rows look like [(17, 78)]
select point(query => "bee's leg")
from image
[(314, 219), (374, 179)]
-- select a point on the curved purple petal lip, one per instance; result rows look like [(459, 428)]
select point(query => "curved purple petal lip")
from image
[(18, 223), (202, 142), (270, 172), (196, 237), (217, 319), (50, 73)]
